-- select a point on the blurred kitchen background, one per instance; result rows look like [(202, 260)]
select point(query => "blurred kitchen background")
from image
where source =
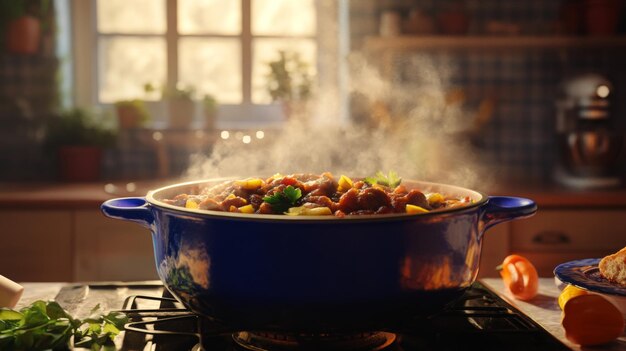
[(194, 69), (144, 84)]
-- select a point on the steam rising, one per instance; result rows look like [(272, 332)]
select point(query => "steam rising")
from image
[(414, 131)]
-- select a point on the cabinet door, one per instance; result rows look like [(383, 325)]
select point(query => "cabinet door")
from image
[(109, 249), (494, 250), (552, 237), (36, 245)]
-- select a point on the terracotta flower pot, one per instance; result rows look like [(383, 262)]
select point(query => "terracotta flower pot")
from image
[(210, 116), (23, 35), (128, 117), (79, 163), (181, 113)]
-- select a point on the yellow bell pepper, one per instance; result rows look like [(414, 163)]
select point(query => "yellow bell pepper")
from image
[(415, 209), (191, 204), (344, 184), (246, 209), (569, 292), (435, 199), (591, 319), (250, 184)]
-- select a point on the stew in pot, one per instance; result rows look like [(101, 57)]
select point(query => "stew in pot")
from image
[(310, 194)]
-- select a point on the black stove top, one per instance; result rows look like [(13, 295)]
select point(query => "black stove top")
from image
[(478, 320)]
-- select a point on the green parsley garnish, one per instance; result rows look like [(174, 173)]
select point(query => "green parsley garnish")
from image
[(47, 326), (281, 201), (392, 180)]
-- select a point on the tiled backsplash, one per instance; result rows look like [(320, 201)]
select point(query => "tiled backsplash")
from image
[(27, 97)]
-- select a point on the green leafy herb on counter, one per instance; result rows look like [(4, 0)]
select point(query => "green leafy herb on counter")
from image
[(392, 180), (281, 201), (47, 326)]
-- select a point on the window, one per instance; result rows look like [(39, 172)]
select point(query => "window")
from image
[(217, 47), (220, 47)]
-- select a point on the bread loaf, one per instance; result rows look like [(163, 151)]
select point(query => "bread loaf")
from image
[(613, 267)]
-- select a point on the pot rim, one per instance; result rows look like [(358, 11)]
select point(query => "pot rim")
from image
[(150, 198)]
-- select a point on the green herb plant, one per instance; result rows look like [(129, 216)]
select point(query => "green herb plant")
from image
[(281, 201), (79, 127), (181, 91), (134, 106), (152, 92), (210, 103), (392, 180), (289, 78), (47, 326)]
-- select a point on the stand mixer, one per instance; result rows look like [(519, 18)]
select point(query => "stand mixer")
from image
[(590, 147)]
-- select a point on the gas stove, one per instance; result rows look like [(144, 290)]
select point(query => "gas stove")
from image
[(478, 320)]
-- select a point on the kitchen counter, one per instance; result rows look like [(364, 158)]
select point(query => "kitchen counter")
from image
[(71, 195), (543, 309), (91, 195), (558, 196)]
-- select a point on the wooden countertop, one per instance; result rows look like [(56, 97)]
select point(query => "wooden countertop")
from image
[(91, 195), (557, 196), (71, 195), (544, 309)]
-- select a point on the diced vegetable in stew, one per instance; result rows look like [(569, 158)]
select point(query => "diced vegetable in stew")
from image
[(316, 195)]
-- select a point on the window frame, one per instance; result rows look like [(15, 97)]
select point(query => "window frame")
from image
[(331, 77)]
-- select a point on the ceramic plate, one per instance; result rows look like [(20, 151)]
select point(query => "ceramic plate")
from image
[(585, 274)]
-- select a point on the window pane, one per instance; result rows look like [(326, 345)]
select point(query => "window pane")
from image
[(127, 64), (267, 50), (283, 17), (136, 16), (209, 17), (212, 66)]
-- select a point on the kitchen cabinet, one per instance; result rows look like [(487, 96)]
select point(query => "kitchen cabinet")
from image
[(496, 243), (36, 245), (108, 249), (73, 245), (554, 236)]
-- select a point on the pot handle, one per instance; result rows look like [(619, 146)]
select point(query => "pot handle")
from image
[(134, 209), (505, 208)]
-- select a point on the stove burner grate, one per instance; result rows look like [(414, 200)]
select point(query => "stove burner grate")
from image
[(166, 327), (480, 319)]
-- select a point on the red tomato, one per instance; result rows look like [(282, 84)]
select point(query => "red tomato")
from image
[(289, 181), (520, 277)]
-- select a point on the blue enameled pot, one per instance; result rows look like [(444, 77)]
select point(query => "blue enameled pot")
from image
[(316, 274)]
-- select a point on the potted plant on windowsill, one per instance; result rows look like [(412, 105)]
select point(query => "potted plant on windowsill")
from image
[(209, 108), (131, 114), (290, 82), (21, 23), (78, 139), (181, 106)]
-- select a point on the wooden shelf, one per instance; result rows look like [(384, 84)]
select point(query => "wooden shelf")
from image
[(405, 43)]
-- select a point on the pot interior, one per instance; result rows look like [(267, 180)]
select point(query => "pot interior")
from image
[(157, 196)]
